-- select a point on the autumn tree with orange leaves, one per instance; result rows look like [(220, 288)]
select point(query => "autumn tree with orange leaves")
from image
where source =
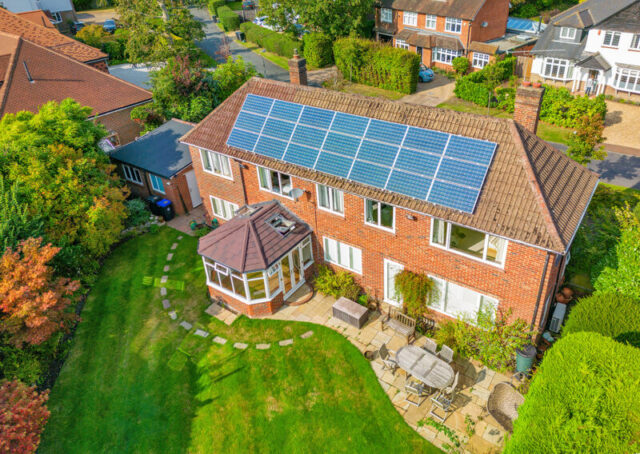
[(32, 300), (23, 414)]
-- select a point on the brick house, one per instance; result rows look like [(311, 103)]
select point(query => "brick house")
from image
[(440, 31), (60, 12), (480, 204), (158, 164)]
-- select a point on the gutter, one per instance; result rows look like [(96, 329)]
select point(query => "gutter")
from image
[(121, 108)]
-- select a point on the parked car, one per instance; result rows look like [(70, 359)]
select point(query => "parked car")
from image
[(260, 20), (76, 26), (425, 74), (109, 26)]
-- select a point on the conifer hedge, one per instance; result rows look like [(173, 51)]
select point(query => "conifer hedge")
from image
[(278, 43)]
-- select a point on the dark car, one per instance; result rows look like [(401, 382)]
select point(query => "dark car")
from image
[(425, 74), (76, 27), (109, 26)]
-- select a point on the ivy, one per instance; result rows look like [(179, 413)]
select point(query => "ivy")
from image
[(415, 290)]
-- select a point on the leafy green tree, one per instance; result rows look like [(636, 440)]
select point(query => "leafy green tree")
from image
[(232, 75), (16, 223), (584, 142), (92, 35), (460, 65)]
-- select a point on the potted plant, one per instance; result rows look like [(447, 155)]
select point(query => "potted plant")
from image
[(536, 84), (526, 83)]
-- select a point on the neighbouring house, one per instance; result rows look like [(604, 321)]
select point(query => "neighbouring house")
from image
[(480, 204), (61, 12), (440, 31), (38, 17), (15, 24), (31, 75), (594, 47), (158, 164)]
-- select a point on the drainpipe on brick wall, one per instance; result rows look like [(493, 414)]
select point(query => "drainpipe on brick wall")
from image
[(544, 275), (244, 188)]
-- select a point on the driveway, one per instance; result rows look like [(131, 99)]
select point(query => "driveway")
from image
[(98, 16), (621, 124), (433, 93), (135, 74)]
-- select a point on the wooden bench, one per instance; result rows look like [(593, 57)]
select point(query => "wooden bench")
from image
[(400, 323)]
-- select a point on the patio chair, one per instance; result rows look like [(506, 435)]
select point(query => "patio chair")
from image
[(430, 346), (388, 363), (446, 354), (415, 388), (443, 400)]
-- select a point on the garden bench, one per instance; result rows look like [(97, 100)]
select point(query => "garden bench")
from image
[(400, 323)]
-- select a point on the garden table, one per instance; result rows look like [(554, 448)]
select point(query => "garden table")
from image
[(426, 367)]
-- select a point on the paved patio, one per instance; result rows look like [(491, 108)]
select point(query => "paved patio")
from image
[(476, 381)]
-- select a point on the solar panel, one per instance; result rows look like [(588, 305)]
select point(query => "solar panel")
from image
[(429, 165)]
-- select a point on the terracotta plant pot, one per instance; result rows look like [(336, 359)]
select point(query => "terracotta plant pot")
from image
[(560, 298), (567, 292), (526, 83), (536, 84)]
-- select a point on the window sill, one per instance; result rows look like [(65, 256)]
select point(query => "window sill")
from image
[(230, 178), (134, 182), (376, 226), (277, 193), (610, 47), (335, 213)]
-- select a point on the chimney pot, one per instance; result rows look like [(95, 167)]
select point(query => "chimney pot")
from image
[(297, 69), (527, 106)]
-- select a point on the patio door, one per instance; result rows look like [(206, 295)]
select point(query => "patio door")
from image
[(291, 272), (391, 269)]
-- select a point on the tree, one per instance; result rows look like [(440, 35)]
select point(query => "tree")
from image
[(492, 79), (232, 75), (23, 415), (92, 35), (32, 300), (460, 65), (583, 143)]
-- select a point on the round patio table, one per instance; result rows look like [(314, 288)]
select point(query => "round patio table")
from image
[(425, 366)]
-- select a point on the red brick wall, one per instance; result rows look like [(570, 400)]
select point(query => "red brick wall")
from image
[(495, 13), (527, 107), (122, 123), (516, 286), (250, 310)]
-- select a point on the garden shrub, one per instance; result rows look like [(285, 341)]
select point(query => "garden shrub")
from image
[(318, 49), (336, 284), (229, 20), (561, 108), (213, 6), (618, 317), (460, 65), (473, 88), (583, 398), (378, 65), (415, 289), (137, 212), (278, 43)]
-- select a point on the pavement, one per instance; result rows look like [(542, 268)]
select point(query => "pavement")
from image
[(136, 74), (621, 124), (97, 16)]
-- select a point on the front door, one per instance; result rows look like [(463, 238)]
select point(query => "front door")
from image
[(196, 200), (419, 52)]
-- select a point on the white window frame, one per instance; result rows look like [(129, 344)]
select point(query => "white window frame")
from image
[(223, 169), (152, 180), (453, 25), (56, 17), (480, 60), (132, 174), (443, 298), (379, 225), (269, 187), (218, 286), (629, 75), (304, 243), (385, 263), (401, 44), (226, 206), (386, 15), (339, 248), (447, 244), (444, 55), (331, 195), (635, 42), (430, 19), (612, 36), (558, 63), (568, 33), (410, 18)]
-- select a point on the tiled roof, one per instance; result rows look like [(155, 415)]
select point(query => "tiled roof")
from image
[(533, 193), (37, 17), (590, 13), (485, 48), (462, 9), (429, 40), (16, 25), (56, 77), (248, 243)]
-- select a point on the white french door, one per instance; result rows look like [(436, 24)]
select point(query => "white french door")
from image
[(391, 269)]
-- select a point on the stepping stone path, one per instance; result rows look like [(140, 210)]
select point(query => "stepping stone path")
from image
[(173, 315), (201, 333), (286, 342), (164, 279), (166, 268), (306, 335), (180, 237), (263, 346), (174, 246), (166, 304), (186, 325), (169, 257), (163, 291), (240, 345), (219, 340)]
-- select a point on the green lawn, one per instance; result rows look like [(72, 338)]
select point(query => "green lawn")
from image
[(137, 382), (279, 60)]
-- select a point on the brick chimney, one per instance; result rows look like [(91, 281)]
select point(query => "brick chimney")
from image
[(527, 106), (297, 69)]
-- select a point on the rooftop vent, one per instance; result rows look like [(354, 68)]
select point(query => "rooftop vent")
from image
[(281, 225)]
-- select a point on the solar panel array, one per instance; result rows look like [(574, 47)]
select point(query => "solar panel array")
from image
[(438, 167)]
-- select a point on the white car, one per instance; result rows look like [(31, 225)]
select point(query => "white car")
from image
[(260, 20)]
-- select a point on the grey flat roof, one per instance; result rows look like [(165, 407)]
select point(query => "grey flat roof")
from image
[(159, 151)]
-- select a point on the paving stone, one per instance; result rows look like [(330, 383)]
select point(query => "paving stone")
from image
[(169, 257), (180, 237), (166, 268), (164, 279), (173, 315), (166, 304), (285, 342), (174, 246), (186, 325), (219, 340), (240, 345), (493, 435), (263, 346), (384, 385), (201, 333), (306, 335), (163, 291)]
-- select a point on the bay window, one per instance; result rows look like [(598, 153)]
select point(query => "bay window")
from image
[(216, 163), (453, 25), (276, 182), (480, 60), (557, 68), (627, 79), (379, 214), (386, 15), (461, 302), (330, 199), (445, 55), (469, 242), (409, 18)]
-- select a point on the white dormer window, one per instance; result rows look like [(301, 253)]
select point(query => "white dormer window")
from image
[(567, 33), (409, 18), (386, 15), (453, 25), (611, 39)]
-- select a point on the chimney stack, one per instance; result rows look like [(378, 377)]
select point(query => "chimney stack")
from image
[(297, 69), (527, 106)]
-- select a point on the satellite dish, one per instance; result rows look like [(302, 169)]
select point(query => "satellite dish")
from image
[(296, 193)]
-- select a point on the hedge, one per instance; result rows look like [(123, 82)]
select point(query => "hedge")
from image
[(376, 64), (561, 108), (583, 398), (229, 20), (318, 49), (213, 6), (471, 87), (278, 43), (618, 317)]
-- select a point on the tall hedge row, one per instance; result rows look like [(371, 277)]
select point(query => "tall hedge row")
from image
[(318, 49), (376, 64), (229, 20), (278, 43), (472, 88), (213, 6), (583, 398)]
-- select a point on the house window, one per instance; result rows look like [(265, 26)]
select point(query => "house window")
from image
[(306, 251), (57, 18), (131, 174), (386, 15), (391, 270), (343, 255), (557, 68), (635, 42), (567, 33), (330, 199), (457, 301), (276, 182), (611, 39), (469, 242), (247, 287), (453, 25), (223, 209), (379, 214), (156, 183), (409, 18), (480, 60), (402, 44), (445, 55), (216, 163), (430, 21), (627, 79)]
